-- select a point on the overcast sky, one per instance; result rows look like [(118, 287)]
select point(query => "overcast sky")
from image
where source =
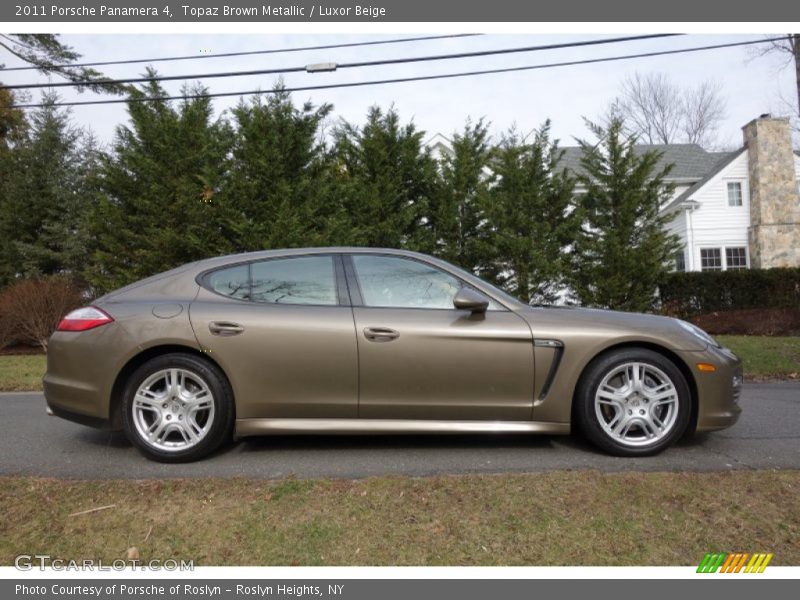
[(751, 86)]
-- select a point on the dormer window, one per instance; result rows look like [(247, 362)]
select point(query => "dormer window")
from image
[(734, 193)]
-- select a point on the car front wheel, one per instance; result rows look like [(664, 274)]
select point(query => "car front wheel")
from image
[(177, 408), (633, 402)]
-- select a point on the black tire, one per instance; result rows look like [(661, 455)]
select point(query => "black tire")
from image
[(586, 416), (221, 426)]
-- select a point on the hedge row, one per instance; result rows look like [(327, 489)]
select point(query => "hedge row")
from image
[(687, 294)]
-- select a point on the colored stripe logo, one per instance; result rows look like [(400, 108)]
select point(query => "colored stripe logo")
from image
[(737, 562)]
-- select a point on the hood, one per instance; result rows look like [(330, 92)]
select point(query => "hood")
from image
[(554, 321)]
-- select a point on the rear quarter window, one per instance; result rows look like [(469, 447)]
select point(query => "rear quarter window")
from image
[(233, 282)]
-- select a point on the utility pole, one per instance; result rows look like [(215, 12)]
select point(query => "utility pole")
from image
[(794, 44)]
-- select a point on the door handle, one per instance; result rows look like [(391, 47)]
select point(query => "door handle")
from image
[(224, 328), (380, 334)]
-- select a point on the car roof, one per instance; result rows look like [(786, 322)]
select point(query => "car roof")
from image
[(264, 254)]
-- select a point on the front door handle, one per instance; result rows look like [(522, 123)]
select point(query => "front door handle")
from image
[(225, 328), (380, 334)]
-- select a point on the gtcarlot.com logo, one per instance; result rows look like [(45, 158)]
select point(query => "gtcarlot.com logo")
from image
[(29, 562), (737, 562)]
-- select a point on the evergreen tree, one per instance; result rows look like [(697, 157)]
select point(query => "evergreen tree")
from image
[(386, 181), (12, 121), (44, 196), (278, 165), (13, 129), (457, 211), (530, 212), (623, 248), (161, 206), (51, 57)]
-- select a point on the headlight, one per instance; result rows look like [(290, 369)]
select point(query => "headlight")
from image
[(699, 333)]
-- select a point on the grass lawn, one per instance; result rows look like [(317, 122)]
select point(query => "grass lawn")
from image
[(22, 372), (764, 358), (557, 518)]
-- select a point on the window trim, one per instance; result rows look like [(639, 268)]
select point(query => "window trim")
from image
[(682, 254), (354, 284), (721, 258), (342, 295), (744, 267), (740, 183)]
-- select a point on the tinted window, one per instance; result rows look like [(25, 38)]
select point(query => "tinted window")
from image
[(304, 280), (397, 282), (233, 282)]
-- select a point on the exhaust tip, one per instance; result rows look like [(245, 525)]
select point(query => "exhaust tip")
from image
[(50, 412)]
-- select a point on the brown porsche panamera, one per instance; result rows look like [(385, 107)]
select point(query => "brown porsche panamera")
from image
[(357, 340)]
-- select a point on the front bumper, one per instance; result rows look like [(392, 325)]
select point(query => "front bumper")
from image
[(718, 392)]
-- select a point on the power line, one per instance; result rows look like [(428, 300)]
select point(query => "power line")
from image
[(245, 53), (372, 63), (409, 79)]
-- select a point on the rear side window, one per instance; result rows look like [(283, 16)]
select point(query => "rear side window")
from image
[(305, 280), (233, 282), (302, 280)]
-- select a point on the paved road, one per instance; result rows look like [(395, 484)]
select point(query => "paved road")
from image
[(31, 443)]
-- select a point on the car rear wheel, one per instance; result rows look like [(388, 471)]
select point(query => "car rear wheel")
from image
[(633, 402), (177, 408)]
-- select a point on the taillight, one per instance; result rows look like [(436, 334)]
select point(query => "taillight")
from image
[(82, 319)]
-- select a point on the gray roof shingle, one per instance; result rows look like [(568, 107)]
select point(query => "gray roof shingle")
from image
[(690, 162)]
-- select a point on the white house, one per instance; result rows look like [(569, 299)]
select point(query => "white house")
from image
[(732, 210), (745, 211)]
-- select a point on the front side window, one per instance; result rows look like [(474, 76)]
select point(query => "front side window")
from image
[(710, 259), (388, 281), (734, 193), (301, 280), (736, 258)]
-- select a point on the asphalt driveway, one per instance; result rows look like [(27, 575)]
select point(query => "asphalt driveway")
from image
[(31, 443)]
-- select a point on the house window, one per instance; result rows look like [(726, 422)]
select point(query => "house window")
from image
[(736, 258), (710, 259), (734, 193), (680, 261)]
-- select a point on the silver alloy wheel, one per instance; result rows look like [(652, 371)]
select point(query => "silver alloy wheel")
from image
[(173, 409), (636, 404)]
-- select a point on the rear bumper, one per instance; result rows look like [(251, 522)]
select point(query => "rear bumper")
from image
[(79, 418), (81, 368)]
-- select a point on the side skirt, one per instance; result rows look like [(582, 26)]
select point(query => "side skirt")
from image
[(247, 427)]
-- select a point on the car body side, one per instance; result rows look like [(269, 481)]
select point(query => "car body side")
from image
[(153, 316)]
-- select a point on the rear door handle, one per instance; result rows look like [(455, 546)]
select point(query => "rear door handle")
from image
[(380, 334), (225, 328)]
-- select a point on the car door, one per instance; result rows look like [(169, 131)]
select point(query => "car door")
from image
[(420, 358), (283, 331)]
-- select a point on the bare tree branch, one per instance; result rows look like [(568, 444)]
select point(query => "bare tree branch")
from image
[(658, 111), (702, 111), (789, 48)]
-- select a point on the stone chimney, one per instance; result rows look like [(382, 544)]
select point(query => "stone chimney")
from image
[(774, 233)]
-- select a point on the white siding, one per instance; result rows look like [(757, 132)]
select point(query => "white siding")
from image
[(678, 227), (714, 224)]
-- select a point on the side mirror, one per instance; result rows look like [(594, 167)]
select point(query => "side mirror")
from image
[(469, 299)]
